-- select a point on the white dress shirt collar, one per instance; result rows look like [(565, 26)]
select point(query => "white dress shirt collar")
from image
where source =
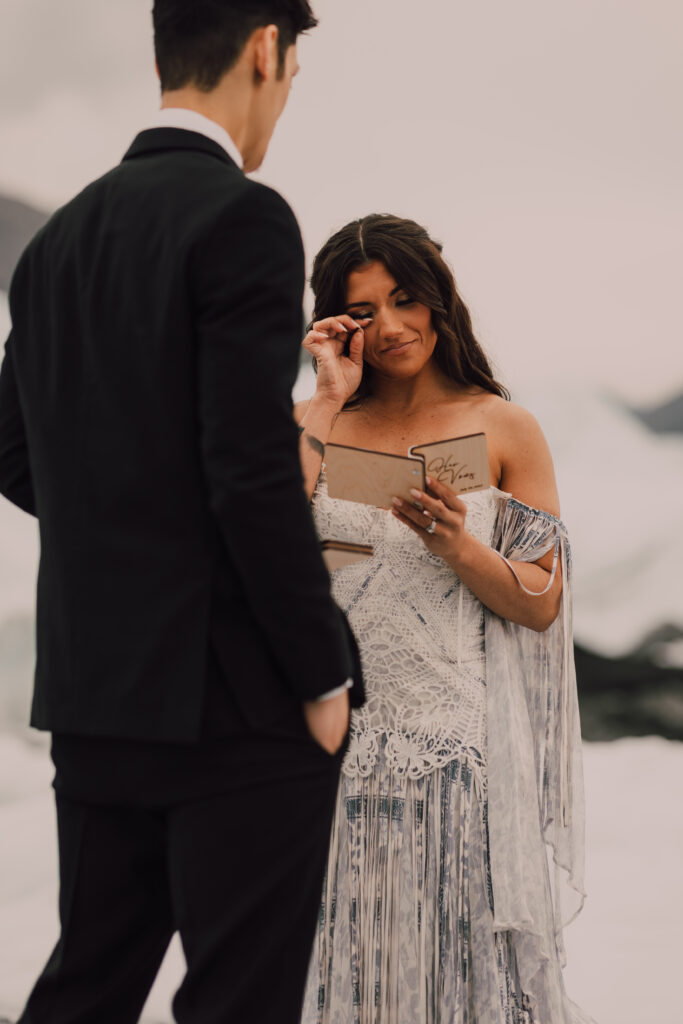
[(192, 121)]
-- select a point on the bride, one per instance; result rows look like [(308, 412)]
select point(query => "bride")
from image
[(464, 767)]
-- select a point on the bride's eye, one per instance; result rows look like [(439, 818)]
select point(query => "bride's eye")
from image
[(362, 314), (405, 302)]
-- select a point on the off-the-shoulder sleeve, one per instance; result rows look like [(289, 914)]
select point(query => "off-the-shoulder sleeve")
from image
[(535, 782)]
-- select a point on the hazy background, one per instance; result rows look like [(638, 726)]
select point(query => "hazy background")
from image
[(541, 143), (539, 140)]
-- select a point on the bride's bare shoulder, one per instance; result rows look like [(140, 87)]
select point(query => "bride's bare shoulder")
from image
[(497, 415), (517, 422), (525, 459)]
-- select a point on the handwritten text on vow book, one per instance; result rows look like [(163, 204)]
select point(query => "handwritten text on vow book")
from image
[(373, 478)]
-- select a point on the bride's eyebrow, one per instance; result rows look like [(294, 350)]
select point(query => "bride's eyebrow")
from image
[(351, 305)]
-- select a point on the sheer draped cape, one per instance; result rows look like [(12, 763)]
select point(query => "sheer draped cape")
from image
[(535, 779)]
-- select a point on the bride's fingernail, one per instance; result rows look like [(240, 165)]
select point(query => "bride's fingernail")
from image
[(415, 493), (397, 502)]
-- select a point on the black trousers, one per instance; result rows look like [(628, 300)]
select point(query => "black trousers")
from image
[(225, 842)]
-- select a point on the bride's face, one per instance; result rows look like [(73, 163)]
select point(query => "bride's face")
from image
[(400, 338)]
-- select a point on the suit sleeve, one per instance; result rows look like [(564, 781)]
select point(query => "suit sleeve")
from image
[(15, 471), (248, 287)]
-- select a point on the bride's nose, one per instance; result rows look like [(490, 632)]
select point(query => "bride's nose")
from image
[(390, 327)]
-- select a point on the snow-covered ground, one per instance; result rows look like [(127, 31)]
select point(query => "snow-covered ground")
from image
[(623, 951)]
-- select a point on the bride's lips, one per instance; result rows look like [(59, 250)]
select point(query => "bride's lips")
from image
[(395, 350)]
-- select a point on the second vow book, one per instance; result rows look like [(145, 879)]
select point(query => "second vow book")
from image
[(374, 478)]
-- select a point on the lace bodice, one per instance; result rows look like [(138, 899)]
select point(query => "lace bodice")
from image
[(421, 638)]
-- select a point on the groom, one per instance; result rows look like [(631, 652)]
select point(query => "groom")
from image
[(192, 666)]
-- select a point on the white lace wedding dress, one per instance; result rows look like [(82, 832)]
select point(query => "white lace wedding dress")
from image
[(406, 931)]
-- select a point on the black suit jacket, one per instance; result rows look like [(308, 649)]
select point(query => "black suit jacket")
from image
[(145, 418)]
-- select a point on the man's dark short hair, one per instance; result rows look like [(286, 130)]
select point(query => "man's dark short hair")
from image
[(197, 41)]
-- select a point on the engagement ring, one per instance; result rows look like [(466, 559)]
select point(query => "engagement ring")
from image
[(432, 526)]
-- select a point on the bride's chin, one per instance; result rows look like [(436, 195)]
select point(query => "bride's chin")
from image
[(396, 367)]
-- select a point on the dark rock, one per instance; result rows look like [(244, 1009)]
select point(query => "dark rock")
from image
[(631, 696), (665, 418)]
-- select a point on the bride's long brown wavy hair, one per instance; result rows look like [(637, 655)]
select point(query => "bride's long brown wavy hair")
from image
[(415, 262)]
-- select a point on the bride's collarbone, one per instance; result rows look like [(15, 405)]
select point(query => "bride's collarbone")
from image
[(389, 444), (361, 429), (397, 440)]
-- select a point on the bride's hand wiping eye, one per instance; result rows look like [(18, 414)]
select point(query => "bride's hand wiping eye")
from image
[(336, 343)]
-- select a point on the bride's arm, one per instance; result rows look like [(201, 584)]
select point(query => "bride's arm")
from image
[(315, 419), (527, 473), (339, 375)]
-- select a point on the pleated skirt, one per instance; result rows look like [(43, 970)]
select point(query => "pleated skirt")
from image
[(405, 933)]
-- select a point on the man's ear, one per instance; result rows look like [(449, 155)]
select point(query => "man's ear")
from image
[(265, 52)]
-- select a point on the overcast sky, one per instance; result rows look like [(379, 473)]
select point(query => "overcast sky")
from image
[(539, 140)]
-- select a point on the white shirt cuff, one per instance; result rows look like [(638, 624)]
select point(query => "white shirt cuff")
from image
[(335, 693)]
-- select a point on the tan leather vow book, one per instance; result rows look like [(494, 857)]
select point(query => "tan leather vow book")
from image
[(461, 463), (374, 478)]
